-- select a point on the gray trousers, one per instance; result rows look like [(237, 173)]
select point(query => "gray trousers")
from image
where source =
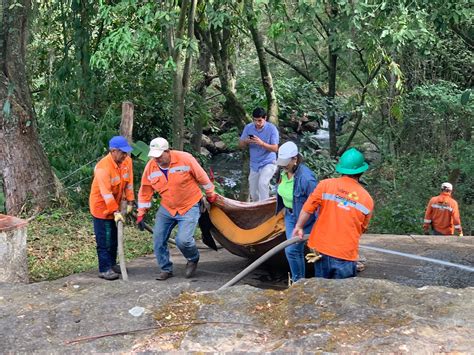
[(259, 182)]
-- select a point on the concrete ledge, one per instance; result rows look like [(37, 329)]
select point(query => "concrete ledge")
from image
[(13, 257)]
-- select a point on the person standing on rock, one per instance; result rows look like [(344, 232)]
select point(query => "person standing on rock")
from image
[(442, 213), (113, 180), (345, 210), (262, 138), (178, 179), (295, 184)]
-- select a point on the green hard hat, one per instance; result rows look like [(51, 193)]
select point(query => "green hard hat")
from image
[(351, 163)]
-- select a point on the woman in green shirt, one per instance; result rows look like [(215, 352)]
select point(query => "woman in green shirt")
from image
[(295, 185)]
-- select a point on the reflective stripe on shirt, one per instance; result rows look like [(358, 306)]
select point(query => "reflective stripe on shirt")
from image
[(427, 221), (442, 207), (144, 204), (114, 179), (207, 186), (180, 168), (346, 203), (154, 175), (107, 196)]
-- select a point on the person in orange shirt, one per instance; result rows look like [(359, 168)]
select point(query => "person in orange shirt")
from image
[(442, 213), (113, 180), (177, 177), (345, 209)]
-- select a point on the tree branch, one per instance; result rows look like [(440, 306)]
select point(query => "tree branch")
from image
[(466, 39), (322, 25), (361, 102), (296, 68)]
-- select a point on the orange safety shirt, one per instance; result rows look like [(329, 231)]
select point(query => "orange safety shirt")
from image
[(345, 209), (110, 182), (180, 190), (443, 214)]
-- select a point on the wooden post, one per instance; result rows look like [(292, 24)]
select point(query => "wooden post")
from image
[(126, 129), (13, 260), (126, 125)]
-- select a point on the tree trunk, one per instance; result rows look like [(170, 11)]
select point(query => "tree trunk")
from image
[(204, 65), (25, 170), (218, 43), (267, 80), (178, 90), (331, 109), (82, 37)]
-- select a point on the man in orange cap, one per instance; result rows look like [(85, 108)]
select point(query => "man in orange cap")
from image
[(442, 213)]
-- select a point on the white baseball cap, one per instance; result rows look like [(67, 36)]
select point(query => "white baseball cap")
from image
[(157, 147), (286, 151), (447, 186)]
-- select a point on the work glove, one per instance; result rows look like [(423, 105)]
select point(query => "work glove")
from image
[(130, 208), (461, 234), (313, 256), (118, 217), (204, 205), (141, 222), (211, 199)]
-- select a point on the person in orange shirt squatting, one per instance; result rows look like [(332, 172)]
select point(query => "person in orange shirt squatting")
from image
[(442, 213), (177, 177), (113, 177), (345, 209)]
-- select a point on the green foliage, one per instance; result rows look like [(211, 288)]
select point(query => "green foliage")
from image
[(141, 150), (62, 242), (323, 166), (465, 97), (462, 158), (435, 118), (2, 201), (231, 138), (402, 188), (418, 110)]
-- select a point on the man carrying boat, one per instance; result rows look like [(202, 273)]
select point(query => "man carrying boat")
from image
[(345, 210), (178, 179)]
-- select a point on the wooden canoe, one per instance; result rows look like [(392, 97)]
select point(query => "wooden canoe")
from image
[(246, 229)]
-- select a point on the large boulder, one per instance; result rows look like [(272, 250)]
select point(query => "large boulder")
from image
[(371, 153), (318, 315)]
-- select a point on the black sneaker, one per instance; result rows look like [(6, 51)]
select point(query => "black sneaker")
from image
[(191, 267), (116, 269), (164, 275), (109, 275)]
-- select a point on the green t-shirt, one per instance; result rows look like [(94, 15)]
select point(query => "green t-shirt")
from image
[(285, 189)]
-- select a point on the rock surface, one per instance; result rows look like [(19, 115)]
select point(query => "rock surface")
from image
[(402, 312)]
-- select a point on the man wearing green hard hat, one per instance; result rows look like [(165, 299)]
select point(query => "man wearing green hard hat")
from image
[(345, 209)]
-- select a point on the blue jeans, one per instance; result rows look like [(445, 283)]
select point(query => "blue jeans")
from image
[(164, 224), (333, 268), (105, 232), (295, 252)]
